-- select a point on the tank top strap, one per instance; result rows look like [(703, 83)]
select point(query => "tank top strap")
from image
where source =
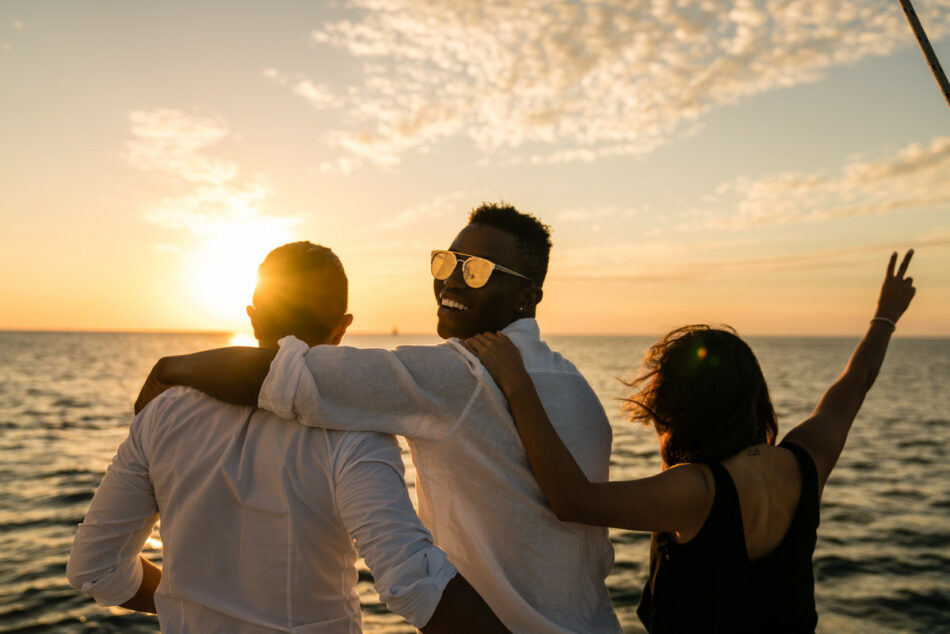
[(724, 523), (808, 501)]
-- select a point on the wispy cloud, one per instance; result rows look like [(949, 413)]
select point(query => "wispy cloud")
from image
[(917, 176), (582, 215), (677, 265), (432, 209), (562, 80), (317, 95), (18, 25), (172, 142), (211, 196)]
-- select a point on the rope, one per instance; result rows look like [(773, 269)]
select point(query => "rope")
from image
[(927, 49)]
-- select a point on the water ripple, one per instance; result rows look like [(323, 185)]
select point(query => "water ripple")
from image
[(883, 552)]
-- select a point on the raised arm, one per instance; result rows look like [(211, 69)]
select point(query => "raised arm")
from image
[(823, 435), (233, 375), (676, 500)]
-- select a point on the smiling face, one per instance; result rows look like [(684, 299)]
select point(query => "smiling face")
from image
[(465, 311)]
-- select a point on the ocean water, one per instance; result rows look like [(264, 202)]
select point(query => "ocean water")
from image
[(883, 557)]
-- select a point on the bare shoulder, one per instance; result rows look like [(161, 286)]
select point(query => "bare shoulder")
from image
[(696, 476), (691, 490), (765, 466)]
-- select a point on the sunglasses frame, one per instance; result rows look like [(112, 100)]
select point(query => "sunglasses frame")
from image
[(464, 258)]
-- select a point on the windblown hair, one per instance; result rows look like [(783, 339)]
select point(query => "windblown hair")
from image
[(534, 237), (301, 290), (704, 390)]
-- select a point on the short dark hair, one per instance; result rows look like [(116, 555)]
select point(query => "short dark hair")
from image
[(291, 301), (534, 237), (703, 387)]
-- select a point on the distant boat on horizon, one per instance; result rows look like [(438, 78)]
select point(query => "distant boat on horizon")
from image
[(395, 331)]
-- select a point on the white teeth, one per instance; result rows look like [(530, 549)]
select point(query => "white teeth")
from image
[(451, 303)]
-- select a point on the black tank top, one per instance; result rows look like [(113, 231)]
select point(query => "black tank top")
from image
[(708, 584)]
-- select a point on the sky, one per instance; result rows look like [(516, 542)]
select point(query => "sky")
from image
[(751, 162)]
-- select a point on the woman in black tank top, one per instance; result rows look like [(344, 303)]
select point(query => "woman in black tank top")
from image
[(712, 568)]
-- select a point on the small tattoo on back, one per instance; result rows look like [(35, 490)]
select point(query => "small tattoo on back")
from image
[(754, 451)]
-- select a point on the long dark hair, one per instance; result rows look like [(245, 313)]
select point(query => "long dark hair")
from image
[(704, 390)]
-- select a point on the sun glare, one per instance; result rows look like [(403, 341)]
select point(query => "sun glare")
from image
[(223, 270), (243, 339)]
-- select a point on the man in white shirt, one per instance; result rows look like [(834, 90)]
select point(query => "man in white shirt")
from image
[(476, 491), (258, 516)]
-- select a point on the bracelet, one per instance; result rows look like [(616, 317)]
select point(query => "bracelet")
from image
[(886, 321)]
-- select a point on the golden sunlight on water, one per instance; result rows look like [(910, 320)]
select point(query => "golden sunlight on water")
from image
[(242, 339), (154, 543)]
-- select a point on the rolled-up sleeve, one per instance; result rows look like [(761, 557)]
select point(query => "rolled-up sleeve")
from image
[(104, 561), (409, 572), (416, 391)]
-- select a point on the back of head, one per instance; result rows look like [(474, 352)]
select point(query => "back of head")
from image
[(534, 237), (301, 291), (704, 390)]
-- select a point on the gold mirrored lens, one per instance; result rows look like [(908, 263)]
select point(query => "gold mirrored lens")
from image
[(476, 271), (443, 264)]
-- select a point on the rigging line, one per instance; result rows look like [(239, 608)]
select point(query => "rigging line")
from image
[(927, 49)]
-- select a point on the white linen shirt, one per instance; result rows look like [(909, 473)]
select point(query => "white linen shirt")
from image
[(256, 520), (476, 491)]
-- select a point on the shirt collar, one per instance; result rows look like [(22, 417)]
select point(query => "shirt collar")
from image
[(527, 326)]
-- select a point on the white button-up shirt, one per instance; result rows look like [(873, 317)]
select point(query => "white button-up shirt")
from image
[(476, 491), (256, 520)]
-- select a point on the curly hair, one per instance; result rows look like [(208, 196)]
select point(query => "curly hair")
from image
[(704, 391), (534, 237)]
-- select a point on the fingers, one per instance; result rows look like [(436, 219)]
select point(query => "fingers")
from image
[(487, 344), (890, 265), (904, 263)]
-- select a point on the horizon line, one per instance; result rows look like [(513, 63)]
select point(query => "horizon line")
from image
[(132, 331)]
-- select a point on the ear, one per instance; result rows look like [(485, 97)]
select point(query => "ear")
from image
[(253, 316), (337, 335), (535, 295), (529, 300)]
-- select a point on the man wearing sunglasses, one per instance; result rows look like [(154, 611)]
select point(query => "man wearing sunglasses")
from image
[(476, 491)]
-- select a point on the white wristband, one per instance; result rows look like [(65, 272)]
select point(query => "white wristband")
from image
[(886, 321)]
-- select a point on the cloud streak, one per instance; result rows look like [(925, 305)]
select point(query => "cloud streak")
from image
[(172, 142), (561, 80), (430, 210), (917, 176), (175, 144), (682, 269)]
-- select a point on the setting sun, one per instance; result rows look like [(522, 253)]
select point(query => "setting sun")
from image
[(222, 270)]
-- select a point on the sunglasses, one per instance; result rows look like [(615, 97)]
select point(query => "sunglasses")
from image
[(475, 270)]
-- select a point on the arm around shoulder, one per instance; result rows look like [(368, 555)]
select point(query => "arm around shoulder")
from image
[(669, 501), (233, 375)]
